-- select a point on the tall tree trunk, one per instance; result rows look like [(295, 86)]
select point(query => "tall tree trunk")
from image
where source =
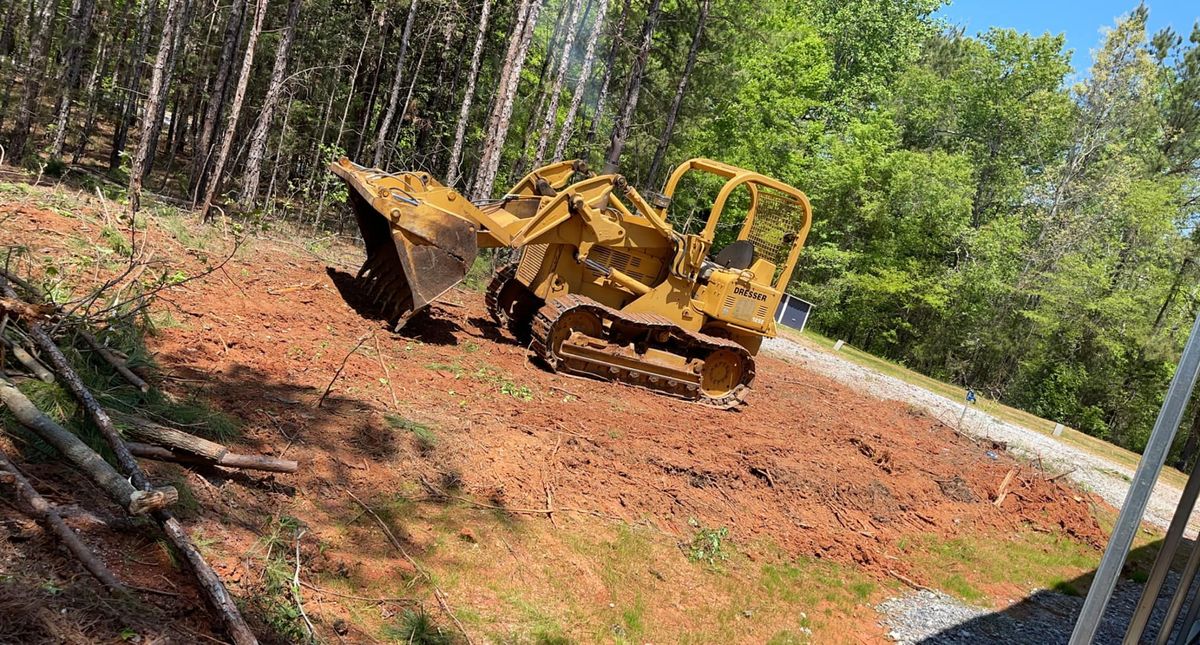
[(506, 93), (287, 113), (585, 73), (130, 83), (155, 128), (6, 36), (7, 50), (381, 138), (435, 104), (551, 117), (368, 111), (620, 131), (99, 70), (78, 33), (606, 79), (318, 150), (406, 106), (464, 110), (262, 126), (660, 152), (549, 64), (159, 82), (42, 24), (235, 110), (202, 152), (354, 77)]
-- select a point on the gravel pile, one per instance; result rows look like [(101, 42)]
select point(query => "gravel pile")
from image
[(1107, 479), (1044, 618)]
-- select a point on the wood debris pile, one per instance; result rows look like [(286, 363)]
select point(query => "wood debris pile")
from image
[(33, 335)]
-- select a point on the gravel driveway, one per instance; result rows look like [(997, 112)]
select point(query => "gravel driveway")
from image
[(1107, 479)]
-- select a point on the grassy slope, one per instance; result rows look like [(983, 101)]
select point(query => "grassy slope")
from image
[(1071, 436)]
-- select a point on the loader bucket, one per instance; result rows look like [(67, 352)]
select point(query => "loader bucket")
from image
[(417, 249)]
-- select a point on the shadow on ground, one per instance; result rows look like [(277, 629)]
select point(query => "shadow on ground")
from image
[(429, 325), (1048, 616)]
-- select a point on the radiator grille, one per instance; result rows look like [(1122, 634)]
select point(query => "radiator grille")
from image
[(531, 262), (626, 263)]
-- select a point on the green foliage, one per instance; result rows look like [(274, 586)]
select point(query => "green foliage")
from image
[(274, 603), (708, 544), (418, 627), (424, 435), (991, 226)]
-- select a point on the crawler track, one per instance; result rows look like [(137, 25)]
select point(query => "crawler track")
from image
[(510, 303), (622, 331)]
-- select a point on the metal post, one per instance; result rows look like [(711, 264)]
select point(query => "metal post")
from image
[(1186, 580), (1139, 491), (1189, 621), (1162, 562)]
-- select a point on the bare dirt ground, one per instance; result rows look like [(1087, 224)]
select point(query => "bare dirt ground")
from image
[(1108, 479), (517, 491)]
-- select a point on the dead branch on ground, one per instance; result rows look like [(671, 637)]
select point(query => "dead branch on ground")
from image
[(341, 367), (137, 502), (117, 364), (48, 514)]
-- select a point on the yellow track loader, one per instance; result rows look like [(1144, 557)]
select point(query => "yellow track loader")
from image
[(603, 285)]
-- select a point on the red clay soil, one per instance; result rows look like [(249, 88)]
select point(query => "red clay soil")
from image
[(809, 465)]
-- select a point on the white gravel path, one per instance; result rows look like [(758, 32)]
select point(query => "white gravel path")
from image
[(1107, 479)]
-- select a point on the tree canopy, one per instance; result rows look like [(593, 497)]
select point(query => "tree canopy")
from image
[(985, 214)]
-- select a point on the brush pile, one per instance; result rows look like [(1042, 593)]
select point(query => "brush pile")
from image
[(36, 338)]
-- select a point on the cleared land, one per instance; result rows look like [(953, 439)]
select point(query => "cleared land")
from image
[(531, 507), (1105, 472)]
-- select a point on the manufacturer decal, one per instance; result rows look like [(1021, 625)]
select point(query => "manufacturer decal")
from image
[(743, 291)]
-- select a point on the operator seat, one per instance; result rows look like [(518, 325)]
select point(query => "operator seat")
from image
[(736, 255)]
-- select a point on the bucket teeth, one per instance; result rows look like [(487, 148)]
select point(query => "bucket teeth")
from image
[(425, 244)]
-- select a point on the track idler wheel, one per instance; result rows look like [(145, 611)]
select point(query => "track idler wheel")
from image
[(723, 372), (575, 321)]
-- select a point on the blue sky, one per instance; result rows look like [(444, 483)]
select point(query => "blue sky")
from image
[(1081, 21)]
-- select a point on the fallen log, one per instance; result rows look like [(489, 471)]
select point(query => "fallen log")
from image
[(117, 364), (48, 514), (229, 460), (28, 361), (23, 310), (74, 384), (214, 590), (137, 502), (197, 448)]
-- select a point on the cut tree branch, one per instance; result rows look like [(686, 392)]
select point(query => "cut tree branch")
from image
[(116, 362), (137, 502), (214, 590), (48, 514)]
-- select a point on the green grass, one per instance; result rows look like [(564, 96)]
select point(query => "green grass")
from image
[(1086, 442), (419, 628), (272, 603), (480, 274), (965, 567)]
